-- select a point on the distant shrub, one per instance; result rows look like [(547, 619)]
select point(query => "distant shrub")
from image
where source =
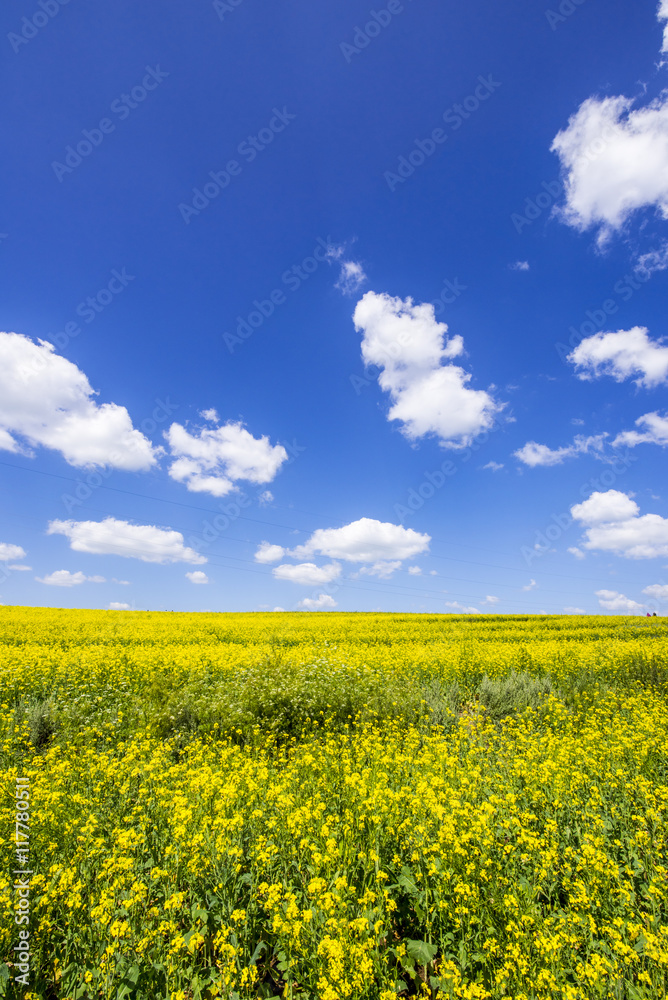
[(513, 694)]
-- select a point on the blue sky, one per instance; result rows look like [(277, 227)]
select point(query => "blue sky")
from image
[(214, 215)]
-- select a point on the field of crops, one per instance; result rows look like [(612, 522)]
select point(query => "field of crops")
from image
[(334, 806)]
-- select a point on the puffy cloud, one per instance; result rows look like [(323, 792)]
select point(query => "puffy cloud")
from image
[(520, 265), (654, 260), (63, 578), (120, 538), (491, 600), (268, 553), (659, 591), (212, 459), (530, 585), (118, 606), (351, 274), (534, 454), (574, 611), (383, 569), (428, 396), (19, 568), (654, 430), (279, 609), (8, 552), (612, 506), (197, 576), (317, 603), (415, 571), (493, 466), (366, 540), (308, 573), (615, 161), (612, 600), (614, 525), (210, 415), (662, 15), (621, 355), (575, 551), (46, 400), (463, 609)]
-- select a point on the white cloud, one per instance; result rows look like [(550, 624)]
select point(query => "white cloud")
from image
[(317, 603), (63, 578), (279, 609), (575, 551), (197, 576), (530, 585), (615, 161), (210, 415), (308, 573), (19, 568), (493, 466), (463, 609), (520, 265), (265, 497), (621, 355), (534, 454), (123, 583), (383, 569), (428, 396), (613, 524), (610, 507), (574, 611), (654, 430), (491, 600), (654, 260), (365, 540), (211, 460), (662, 14), (117, 606), (659, 591), (351, 274), (268, 553), (8, 551), (46, 400), (120, 538), (415, 571), (612, 600)]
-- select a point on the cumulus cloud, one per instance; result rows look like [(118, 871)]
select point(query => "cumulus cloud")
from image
[(63, 578), (317, 603), (112, 537), (493, 466), (212, 459), (662, 15), (429, 396), (8, 552), (621, 355), (118, 606), (614, 524), (19, 568), (268, 553), (615, 161), (612, 600), (415, 571), (520, 265), (351, 273), (653, 430), (654, 260), (365, 540), (490, 600), (575, 551), (534, 454), (574, 611), (383, 569), (308, 574), (530, 585), (197, 576), (46, 400), (659, 591), (463, 609)]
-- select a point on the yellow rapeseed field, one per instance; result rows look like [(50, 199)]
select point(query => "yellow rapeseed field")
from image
[(336, 806)]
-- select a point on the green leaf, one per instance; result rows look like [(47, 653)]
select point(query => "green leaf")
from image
[(408, 885), (421, 951)]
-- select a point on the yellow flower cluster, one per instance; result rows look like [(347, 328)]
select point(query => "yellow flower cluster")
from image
[(190, 840)]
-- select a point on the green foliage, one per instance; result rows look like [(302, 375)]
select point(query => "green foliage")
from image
[(513, 694)]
